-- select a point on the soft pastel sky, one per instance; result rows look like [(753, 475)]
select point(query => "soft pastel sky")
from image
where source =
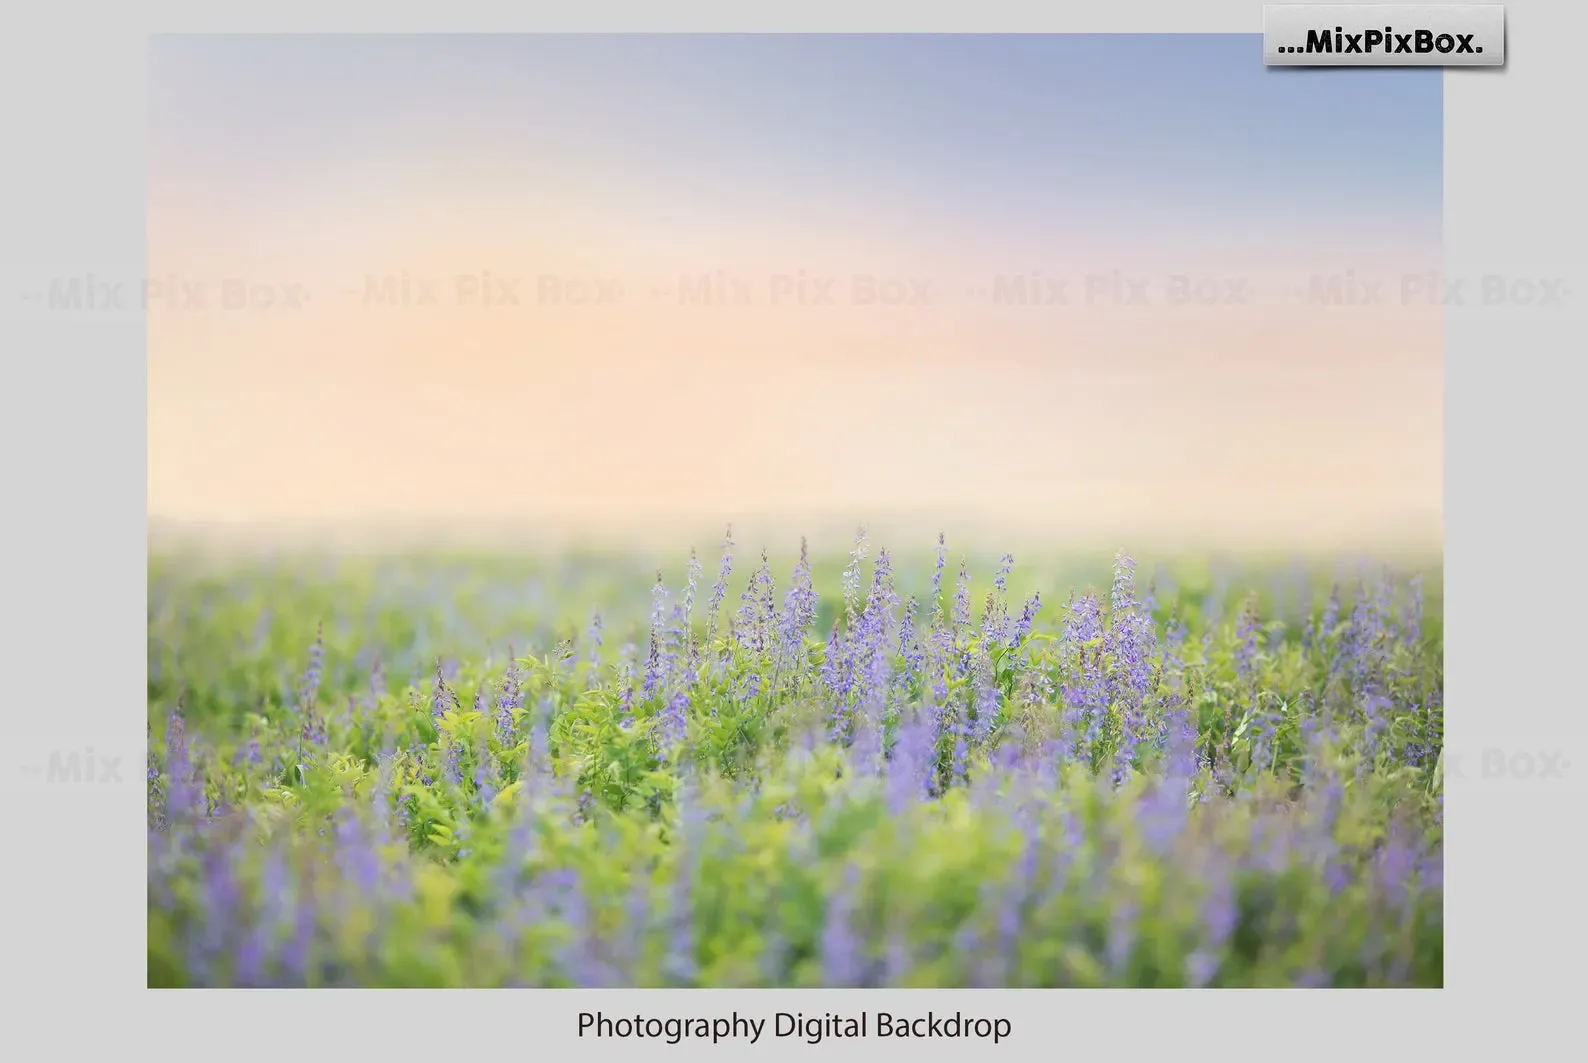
[(317, 163)]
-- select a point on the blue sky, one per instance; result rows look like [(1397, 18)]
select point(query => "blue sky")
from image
[(1030, 131)]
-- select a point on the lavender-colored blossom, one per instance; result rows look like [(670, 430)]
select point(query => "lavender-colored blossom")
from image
[(799, 607), (997, 627), (184, 795), (758, 607), (720, 589), (836, 677), (674, 721), (962, 600), (564, 900), (937, 579), (681, 964), (1375, 710), (222, 913), (656, 662), (1412, 619), (256, 952), (909, 764), (1085, 694), (451, 768), (442, 697), (851, 578), (487, 774), (959, 761), (1123, 934), (909, 649), (155, 784), (593, 641), (1129, 643), (1246, 632), (866, 751), (312, 721), (842, 951), (869, 661), (357, 854), (1219, 919), (1028, 616), (509, 700), (1019, 890), (988, 698), (1395, 866), (626, 698)]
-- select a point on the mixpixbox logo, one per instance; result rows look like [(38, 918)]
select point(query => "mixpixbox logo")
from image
[(1378, 35), (1525, 764), (77, 767), (1018, 287)]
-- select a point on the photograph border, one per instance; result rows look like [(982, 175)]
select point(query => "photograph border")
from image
[(75, 433)]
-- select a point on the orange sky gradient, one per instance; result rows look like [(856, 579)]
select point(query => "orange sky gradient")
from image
[(1278, 422)]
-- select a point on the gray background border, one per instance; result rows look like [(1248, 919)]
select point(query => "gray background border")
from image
[(72, 397)]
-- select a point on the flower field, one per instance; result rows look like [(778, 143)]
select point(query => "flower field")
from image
[(791, 770)]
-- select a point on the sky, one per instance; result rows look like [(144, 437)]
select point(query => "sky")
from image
[(699, 232)]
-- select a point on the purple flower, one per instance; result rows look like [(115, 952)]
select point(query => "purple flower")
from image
[(681, 957), (1129, 643), (1012, 910), (910, 644), (451, 770), (626, 699), (255, 953), (842, 953), (1165, 811), (656, 663), (720, 589), (1200, 968), (1085, 695), (998, 607), (1028, 616), (909, 765), (1121, 944), (509, 700), (988, 700), (1375, 710), (674, 721), (851, 583), (357, 855), (156, 787), (870, 658), (1246, 637), (799, 607), (937, 579), (222, 912), (184, 795), (313, 723), (442, 698), (593, 656), (836, 678), (1220, 916), (962, 600), (1395, 865), (564, 899), (866, 750), (758, 608), (1412, 621)]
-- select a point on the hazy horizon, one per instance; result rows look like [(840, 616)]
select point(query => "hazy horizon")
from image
[(322, 169)]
